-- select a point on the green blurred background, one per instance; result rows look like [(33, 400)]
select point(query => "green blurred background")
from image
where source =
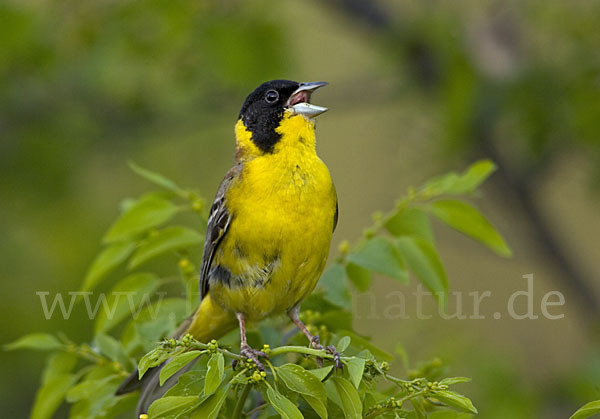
[(416, 88)]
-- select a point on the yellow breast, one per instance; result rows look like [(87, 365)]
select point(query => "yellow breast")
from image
[(282, 207)]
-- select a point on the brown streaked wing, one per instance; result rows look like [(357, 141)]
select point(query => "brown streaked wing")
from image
[(219, 220)]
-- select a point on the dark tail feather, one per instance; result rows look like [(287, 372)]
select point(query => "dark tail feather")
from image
[(133, 382), (210, 321)]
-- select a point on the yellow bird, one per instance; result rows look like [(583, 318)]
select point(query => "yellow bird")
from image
[(269, 228)]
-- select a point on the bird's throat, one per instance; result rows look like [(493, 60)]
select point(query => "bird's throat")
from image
[(296, 136)]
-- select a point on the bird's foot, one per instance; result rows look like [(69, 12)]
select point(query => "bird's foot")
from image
[(337, 359), (331, 350), (253, 355)]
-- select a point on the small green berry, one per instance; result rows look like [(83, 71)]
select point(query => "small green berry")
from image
[(198, 205), (369, 233), (344, 247)]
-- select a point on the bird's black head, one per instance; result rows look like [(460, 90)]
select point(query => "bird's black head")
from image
[(264, 108)]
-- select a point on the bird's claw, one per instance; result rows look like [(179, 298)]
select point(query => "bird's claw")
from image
[(253, 355), (316, 342), (337, 360)]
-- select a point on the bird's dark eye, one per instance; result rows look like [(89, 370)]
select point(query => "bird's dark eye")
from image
[(272, 96)]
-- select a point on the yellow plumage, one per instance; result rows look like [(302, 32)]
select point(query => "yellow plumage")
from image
[(283, 205)]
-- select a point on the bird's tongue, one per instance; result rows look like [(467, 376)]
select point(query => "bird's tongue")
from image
[(300, 97), (299, 101)]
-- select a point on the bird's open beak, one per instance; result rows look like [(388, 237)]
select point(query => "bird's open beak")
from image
[(299, 100)]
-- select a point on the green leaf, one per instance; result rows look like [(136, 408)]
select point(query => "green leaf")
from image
[(474, 176), (169, 406), (360, 277), (177, 363), (468, 220), (321, 373), (94, 396), (381, 256), (56, 382), (59, 363), (333, 281), (418, 408), (111, 348), (37, 341), (424, 261), (153, 358), (89, 389), (166, 240), (117, 406), (124, 299), (456, 400), (454, 184), (50, 396), (153, 321), (343, 393), (158, 179), (282, 405), (343, 344), (106, 262), (336, 319), (216, 367), (150, 211), (367, 355), (356, 367), (587, 410), (192, 382), (211, 406), (454, 380), (307, 385), (360, 342), (411, 222)]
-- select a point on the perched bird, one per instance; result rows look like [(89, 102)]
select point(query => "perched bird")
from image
[(269, 228)]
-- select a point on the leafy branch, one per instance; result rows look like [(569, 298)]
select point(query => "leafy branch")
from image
[(136, 316), (279, 382)]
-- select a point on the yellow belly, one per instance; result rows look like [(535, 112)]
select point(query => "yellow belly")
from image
[(278, 240)]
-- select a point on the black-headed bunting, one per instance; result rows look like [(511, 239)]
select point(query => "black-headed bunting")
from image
[(269, 228)]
